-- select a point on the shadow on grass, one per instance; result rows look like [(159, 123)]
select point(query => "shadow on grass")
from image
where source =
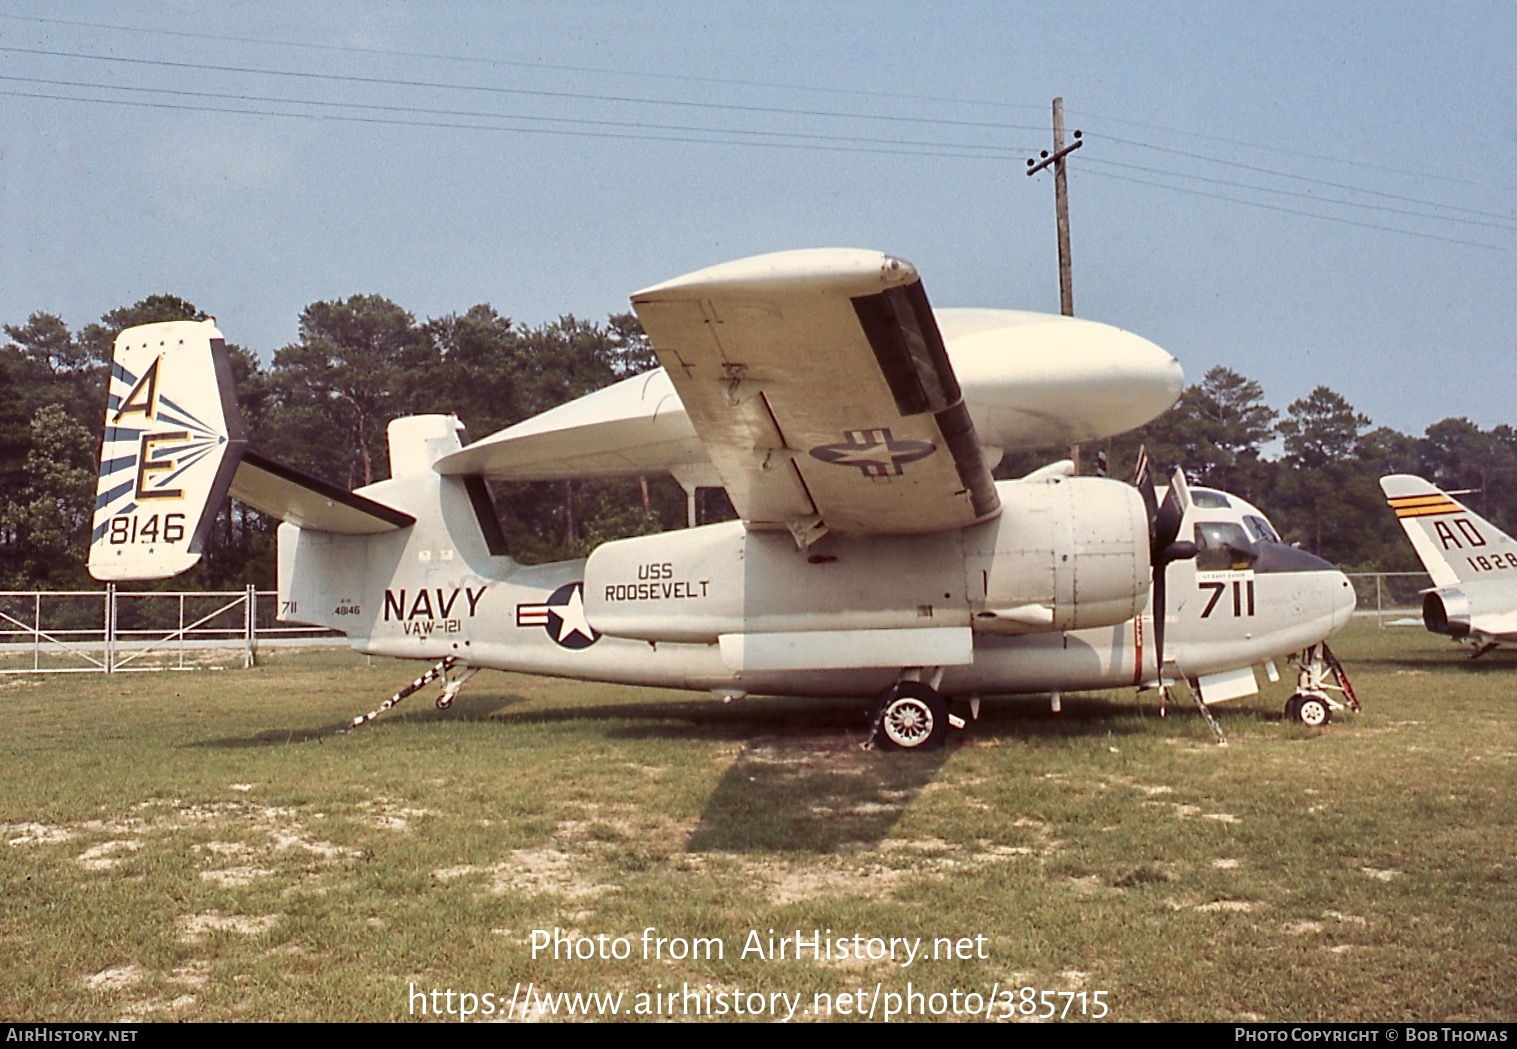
[(1029, 718), (1499, 661), (780, 721), (465, 708), (793, 796)]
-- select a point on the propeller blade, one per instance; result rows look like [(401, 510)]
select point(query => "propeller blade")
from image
[(1165, 545), (1143, 481), (1161, 613), (1167, 521)]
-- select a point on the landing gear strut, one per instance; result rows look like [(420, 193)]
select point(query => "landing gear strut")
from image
[(452, 683), (1319, 676), (911, 715)]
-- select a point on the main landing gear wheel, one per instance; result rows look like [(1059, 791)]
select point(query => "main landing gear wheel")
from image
[(910, 716), (1311, 711)]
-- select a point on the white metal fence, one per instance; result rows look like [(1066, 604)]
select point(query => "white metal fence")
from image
[(114, 631)]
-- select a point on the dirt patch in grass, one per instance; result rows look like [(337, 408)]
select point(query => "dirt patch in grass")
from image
[(115, 977), (106, 855), (194, 928), (1228, 906), (34, 834)]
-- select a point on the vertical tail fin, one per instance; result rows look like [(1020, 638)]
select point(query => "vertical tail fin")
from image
[(1454, 543), (173, 439)]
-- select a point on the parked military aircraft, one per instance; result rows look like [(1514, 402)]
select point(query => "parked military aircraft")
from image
[(854, 429), (1472, 562)]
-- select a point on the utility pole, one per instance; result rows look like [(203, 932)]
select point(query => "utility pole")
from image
[(1061, 200), (1061, 208)]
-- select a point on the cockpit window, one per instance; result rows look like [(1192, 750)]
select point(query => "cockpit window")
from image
[(1209, 500), (1223, 546), (1259, 529)]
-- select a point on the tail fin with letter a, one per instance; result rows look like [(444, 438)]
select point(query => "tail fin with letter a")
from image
[(173, 441), (175, 449)]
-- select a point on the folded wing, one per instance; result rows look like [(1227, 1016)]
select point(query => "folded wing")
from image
[(820, 387)]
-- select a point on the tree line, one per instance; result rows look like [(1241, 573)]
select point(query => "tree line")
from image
[(324, 401)]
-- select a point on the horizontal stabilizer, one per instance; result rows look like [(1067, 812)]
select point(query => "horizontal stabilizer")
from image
[(309, 502)]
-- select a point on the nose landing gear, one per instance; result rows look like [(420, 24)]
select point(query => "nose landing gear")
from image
[(1319, 676)]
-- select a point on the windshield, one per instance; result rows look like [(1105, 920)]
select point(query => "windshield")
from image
[(1223, 546), (1259, 529)]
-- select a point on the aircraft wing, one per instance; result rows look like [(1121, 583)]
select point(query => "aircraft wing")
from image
[(636, 426), (820, 387)]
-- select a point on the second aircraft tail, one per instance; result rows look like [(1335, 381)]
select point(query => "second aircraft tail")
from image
[(1455, 544)]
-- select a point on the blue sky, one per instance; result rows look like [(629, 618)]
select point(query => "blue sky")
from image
[(1367, 154)]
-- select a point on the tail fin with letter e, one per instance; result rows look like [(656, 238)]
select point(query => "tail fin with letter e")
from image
[(173, 441), (175, 449)]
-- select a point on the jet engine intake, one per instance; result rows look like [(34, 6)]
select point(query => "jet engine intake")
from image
[(1446, 612)]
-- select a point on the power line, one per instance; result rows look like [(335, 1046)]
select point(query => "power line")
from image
[(1277, 149), (693, 134), (449, 125), (724, 81), (1294, 211), (1300, 178), (1295, 193), (530, 92), (732, 107), (523, 64), (983, 151)]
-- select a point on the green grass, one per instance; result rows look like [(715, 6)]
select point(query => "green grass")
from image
[(213, 845)]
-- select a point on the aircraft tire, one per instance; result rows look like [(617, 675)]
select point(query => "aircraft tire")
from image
[(1314, 711), (911, 717), (1293, 708)]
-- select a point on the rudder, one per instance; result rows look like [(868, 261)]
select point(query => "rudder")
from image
[(173, 441)]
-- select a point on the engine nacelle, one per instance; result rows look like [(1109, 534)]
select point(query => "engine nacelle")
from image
[(1446, 612), (1065, 554)]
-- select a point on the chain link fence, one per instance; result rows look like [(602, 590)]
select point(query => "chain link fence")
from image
[(1389, 596)]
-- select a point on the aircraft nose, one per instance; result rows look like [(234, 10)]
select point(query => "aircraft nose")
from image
[(1344, 599)]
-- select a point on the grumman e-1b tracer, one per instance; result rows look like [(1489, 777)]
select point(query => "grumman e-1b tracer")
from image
[(1473, 564), (854, 429)]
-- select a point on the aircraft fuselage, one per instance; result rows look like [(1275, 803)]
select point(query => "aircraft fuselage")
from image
[(435, 590)]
